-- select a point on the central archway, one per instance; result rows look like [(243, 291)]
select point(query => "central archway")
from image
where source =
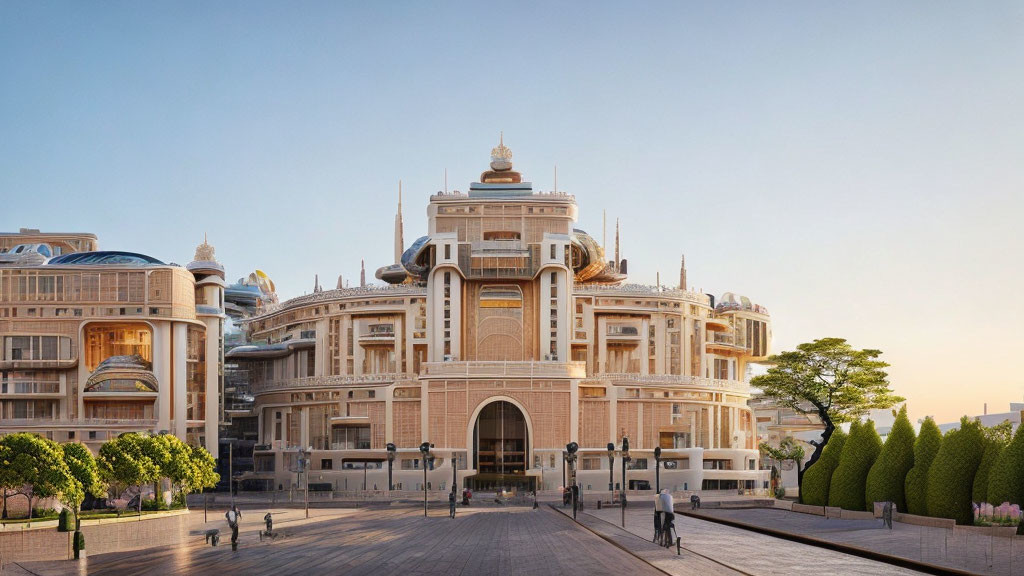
[(501, 447)]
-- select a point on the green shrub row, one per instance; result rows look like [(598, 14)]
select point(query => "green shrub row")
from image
[(885, 481), (815, 485), (847, 487)]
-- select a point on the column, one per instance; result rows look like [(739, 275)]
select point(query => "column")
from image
[(213, 393), (178, 348), (162, 371)]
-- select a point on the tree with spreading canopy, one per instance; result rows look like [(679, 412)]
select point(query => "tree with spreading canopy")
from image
[(124, 464), (847, 486), (886, 480), (951, 476), (830, 378), (814, 488), (34, 466)]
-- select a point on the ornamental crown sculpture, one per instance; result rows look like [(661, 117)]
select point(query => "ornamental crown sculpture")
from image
[(205, 252), (501, 155)]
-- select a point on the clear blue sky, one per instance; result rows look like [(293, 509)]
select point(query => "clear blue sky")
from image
[(856, 167)]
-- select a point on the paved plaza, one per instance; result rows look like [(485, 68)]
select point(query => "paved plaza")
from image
[(960, 549), (490, 540)]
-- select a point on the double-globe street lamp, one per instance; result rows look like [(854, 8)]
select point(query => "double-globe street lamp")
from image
[(391, 462), (611, 470), (570, 458), (428, 459)]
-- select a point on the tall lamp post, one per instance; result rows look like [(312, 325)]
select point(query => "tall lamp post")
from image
[(391, 462), (302, 469), (611, 470), (657, 470), (570, 458), (625, 461), (425, 450), (455, 471)]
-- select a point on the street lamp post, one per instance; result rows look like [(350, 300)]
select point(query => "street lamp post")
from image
[(455, 471), (625, 461), (570, 450), (425, 450), (391, 461), (657, 470), (302, 469), (611, 470)]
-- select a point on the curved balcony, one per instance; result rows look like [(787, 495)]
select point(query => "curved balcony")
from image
[(385, 379), (630, 379), (474, 369), (716, 324)]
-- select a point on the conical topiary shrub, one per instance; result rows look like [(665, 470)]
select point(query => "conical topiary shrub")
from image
[(1006, 479), (814, 489), (951, 476), (847, 488), (993, 449), (887, 476), (929, 439)]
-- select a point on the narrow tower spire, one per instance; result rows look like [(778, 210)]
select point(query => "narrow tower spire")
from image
[(616, 244), (362, 273), (445, 180), (399, 233), (682, 273), (556, 178), (316, 283)]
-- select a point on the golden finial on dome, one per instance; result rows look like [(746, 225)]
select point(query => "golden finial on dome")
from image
[(501, 154), (204, 252)]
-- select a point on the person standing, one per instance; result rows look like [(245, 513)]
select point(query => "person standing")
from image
[(451, 503), (668, 509), (657, 516), (233, 515)]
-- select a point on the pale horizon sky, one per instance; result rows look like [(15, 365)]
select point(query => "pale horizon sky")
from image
[(855, 167)]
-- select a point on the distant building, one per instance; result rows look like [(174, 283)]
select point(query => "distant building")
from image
[(1015, 415)]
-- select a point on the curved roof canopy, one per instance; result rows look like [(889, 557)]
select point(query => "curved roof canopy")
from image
[(104, 257)]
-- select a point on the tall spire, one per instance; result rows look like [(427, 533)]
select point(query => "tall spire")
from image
[(616, 244), (399, 232), (362, 273), (556, 178), (316, 284), (682, 273)]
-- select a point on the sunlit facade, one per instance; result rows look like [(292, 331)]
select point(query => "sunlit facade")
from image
[(98, 343), (499, 337)]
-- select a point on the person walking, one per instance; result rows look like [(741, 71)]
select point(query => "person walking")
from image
[(451, 503), (233, 516), (668, 522), (658, 511)]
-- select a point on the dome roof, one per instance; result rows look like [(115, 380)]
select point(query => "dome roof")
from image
[(104, 257)]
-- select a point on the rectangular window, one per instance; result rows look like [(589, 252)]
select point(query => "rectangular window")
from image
[(326, 463), (447, 255)]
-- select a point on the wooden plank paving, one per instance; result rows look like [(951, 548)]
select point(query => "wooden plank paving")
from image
[(500, 541)]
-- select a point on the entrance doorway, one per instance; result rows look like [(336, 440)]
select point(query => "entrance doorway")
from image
[(501, 446)]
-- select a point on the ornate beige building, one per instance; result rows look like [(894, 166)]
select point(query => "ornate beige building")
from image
[(97, 343), (501, 336)]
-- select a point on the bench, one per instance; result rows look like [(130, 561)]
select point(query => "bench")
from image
[(213, 535)]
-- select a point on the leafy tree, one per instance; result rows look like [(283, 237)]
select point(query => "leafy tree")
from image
[(35, 465), (847, 487), (927, 445), (1001, 433), (886, 479), (86, 475), (123, 463), (830, 378), (203, 471), (1006, 479), (951, 476), (160, 449), (814, 488)]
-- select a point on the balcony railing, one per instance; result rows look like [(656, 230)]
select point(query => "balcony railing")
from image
[(330, 381), (674, 380), (623, 331), (31, 387), (505, 369), (141, 424)]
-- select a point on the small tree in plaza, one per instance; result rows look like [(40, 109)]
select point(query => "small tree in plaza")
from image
[(160, 449), (830, 378), (190, 468), (929, 440), (951, 476), (35, 465), (885, 482), (847, 487), (123, 464), (788, 450), (1006, 478), (86, 475), (815, 485)]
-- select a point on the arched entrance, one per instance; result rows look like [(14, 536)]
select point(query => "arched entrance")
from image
[(501, 448)]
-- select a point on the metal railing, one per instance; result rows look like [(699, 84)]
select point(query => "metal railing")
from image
[(506, 369), (674, 380), (331, 381)]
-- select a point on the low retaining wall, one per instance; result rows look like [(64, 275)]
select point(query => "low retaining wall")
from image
[(101, 537), (808, 509)]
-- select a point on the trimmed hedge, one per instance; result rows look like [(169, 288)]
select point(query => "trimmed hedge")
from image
[(814, 490), (951, 476), (888, 474), (992, 451), (927, 445), (1006, 479), (66, 522), (847, 488)]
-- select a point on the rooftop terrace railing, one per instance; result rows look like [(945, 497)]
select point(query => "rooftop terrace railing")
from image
[(526, 369), (383, 379), (674, 380)]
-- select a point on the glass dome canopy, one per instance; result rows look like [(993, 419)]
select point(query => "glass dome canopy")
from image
[(104, 257)]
